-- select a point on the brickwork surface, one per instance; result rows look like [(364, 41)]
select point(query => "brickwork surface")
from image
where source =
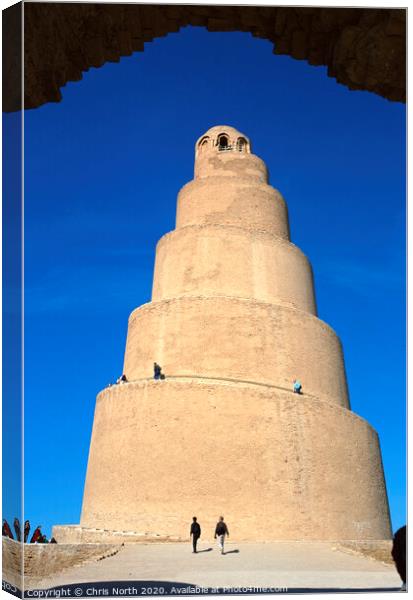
[(281, 466), (362, 48), (41, 560), (380, 551)]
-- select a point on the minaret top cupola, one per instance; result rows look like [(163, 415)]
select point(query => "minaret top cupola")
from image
[(223, 150), (222, 138)]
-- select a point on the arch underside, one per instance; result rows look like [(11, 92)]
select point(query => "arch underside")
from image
[(363, 49)]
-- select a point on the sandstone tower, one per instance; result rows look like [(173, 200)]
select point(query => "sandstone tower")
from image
[(232, 322)]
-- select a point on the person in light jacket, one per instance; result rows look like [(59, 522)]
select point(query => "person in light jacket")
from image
[(221, 530)]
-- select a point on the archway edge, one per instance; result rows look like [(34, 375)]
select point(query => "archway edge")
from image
[(363, 49)]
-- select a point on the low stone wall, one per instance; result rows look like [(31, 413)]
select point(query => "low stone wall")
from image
[(12, 562), (75, 534), (44, 560), (378, 550)]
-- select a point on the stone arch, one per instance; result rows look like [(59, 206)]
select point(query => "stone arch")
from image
[(362, 48)]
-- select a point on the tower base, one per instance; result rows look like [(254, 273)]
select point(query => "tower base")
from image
[(276, 465)]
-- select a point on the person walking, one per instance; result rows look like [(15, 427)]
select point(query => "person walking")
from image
[(6, 531), (36, 535), (196, 533), (26, 530), (16, 525), (221, 530), (297, 386), (157, 371)]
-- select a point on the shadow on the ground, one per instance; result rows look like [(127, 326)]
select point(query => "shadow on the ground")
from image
[(145, 588), (231, 552), (206, 550)]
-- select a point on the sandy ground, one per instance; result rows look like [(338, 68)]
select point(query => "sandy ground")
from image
[(293, 565)]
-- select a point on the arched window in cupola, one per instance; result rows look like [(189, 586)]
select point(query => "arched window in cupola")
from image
[(242, 144), (223, 142), (203, 144)]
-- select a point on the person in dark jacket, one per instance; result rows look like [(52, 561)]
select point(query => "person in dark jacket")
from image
[(17, 529), (157, 371), (26, 530), (6, 531), (398, 553), (195, 532), (221, 530)]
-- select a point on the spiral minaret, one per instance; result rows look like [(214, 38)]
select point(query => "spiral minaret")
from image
[(233, 322)]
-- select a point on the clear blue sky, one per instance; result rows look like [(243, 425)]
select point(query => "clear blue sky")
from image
[(103, 169)]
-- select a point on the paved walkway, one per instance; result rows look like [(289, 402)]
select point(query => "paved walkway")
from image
[(295, 565)]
